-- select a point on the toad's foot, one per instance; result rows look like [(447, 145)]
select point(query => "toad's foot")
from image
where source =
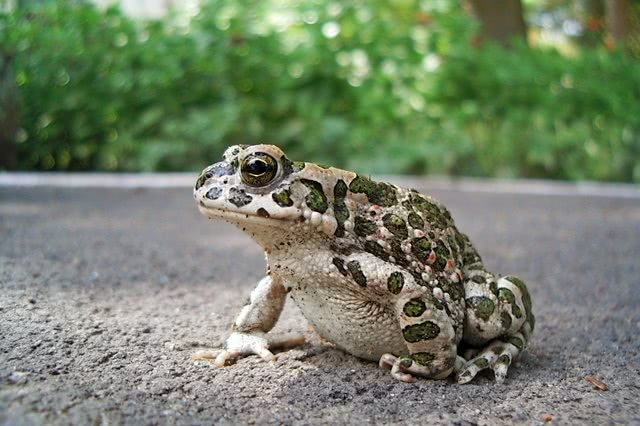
[(497, 356), (248, 344), (402, 366), (397, 367)]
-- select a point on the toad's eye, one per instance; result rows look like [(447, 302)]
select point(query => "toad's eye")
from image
[(258, 169)]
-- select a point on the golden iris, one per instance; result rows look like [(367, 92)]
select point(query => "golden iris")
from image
[(258, 169)]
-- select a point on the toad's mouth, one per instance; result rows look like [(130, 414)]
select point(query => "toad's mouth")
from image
[(260, 217)]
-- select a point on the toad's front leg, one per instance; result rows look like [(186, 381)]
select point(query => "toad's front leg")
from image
[(254, 321)]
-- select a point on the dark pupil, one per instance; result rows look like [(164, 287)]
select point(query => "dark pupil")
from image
[(256, 167)]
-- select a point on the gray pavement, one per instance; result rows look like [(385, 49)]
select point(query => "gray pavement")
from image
[(106, 292)]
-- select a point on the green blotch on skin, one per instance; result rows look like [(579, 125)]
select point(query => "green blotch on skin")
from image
[(423, 358), (395, 225), (434, 213), (398, 254), (356, 273), (415, 221), (341, 213), (395, 282), (343, 249), (465, 374), (315, 199), (282, 198), (379, 193), (340, 265), (340, 210), (437, 303), (363, 227), (479, 279), (442, 255), (298, 165), (506, 295), (421, 247), (515, 341), (414, 308), (455, 290), (526, 298), (340, 190), (289, 166), (405, 361), (493, 288), (517, 312), (497, 349), (518, 283), (423, 331), (481, 363), (470, 258), (505, 320), (482, 306), (376, 250), (504, 359)]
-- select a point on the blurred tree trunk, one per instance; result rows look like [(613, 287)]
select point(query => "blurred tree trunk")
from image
[(8, 114), (619, 24), (594, 23), (502, 20), (595, 9)]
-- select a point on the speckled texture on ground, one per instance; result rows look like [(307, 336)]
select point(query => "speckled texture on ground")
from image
[(106, 293)]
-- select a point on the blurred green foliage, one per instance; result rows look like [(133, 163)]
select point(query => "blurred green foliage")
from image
[(380, 87)]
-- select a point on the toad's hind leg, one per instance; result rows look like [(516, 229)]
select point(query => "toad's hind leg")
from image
[(499, 319), (497, 356), (430, 340)]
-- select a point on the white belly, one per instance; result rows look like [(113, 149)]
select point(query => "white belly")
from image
[(364, 328)]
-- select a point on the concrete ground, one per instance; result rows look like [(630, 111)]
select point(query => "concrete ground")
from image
[(107, 292)]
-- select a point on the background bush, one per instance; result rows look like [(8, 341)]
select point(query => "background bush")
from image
[(384, 87)]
